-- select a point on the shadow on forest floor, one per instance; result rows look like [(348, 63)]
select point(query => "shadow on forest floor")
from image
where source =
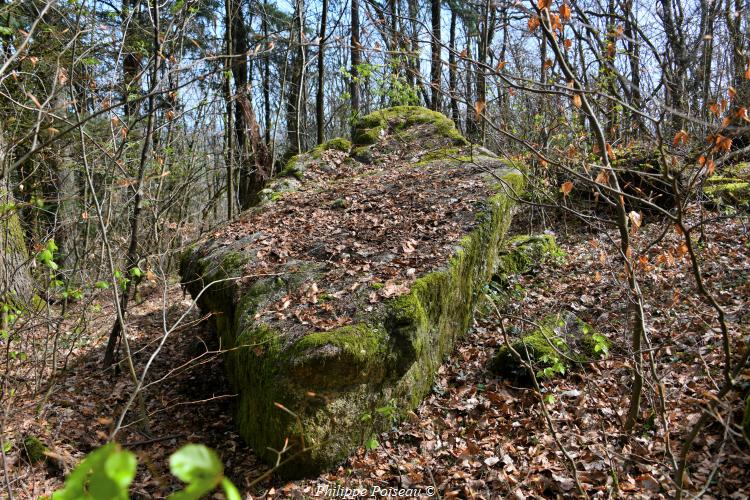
[(188, 399)]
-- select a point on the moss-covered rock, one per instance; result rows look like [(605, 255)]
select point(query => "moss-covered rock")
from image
[(525, 252), (392, 129), (338, 144), (34, 450), (731, 187), (558, 342), (321, 389)]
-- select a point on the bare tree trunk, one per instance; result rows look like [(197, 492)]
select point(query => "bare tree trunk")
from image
[(131, 259), (740, 64), (239, 73), (295, 82), (452, 78), (65, 192), (355, 48), (675, 70), (634, 60), (320, 98), (469, 69), (702, 81), (266, 85), (486, 33), (131, 58), (436, 60), (229, 133)]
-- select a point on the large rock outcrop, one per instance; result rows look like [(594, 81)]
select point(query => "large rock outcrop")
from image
[(337, 298)]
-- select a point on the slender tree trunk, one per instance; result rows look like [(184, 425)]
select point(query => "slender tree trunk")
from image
[(740, 64), (295, 88), (320, 98), (452, 69), (266, 85), (240, 75), (436, 60), (131, 258), (469, 70), (414, 49), (131, 57), (705, 65), (485, 38), (401, 59), (65, 192), (634, 60), (675, 74), (503, 96), (229, 131), (355, 48)]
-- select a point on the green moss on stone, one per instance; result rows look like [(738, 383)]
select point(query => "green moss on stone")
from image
[(34, 449), (731, 187), (355, 347), (728, 189), (399, 118), (292, 168), (449, 154), (525, 252), (339, 144), (234, 261), (558, 341)]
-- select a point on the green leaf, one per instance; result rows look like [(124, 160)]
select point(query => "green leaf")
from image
[(5, 31), (371, 443), (104, 473), (120, 467), (195, 462), (193, 491), (230, 490), (101, 285), (75, 485)]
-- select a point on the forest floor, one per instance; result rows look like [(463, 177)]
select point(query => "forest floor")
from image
[(476, 435)]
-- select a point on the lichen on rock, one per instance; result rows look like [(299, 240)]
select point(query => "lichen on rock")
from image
[(352, 303)]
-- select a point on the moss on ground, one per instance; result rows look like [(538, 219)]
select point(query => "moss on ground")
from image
[(558, 342)]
